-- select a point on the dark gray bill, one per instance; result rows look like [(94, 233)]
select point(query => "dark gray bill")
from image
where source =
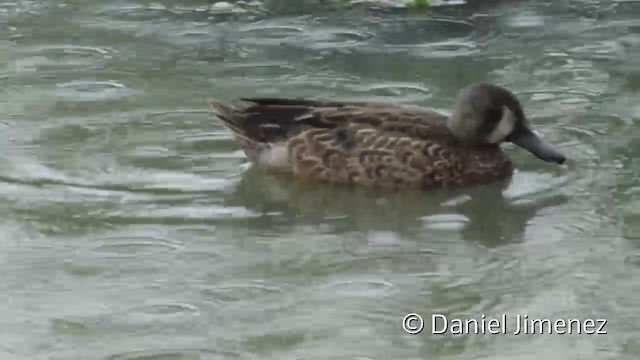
[(528, 140)]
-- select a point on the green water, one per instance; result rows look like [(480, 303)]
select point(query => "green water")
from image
[(132, 226)]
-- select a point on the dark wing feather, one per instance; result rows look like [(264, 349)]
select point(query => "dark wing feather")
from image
[(294, 115), (312, 102)]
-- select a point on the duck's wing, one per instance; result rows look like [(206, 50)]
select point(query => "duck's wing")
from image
[(280, 117), (271, 120)]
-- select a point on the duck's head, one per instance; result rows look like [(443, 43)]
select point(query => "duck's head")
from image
[(489, 114)]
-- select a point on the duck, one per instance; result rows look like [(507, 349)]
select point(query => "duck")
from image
[(385, 145)]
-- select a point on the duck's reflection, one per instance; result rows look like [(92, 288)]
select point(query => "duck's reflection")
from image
[(283, 203)]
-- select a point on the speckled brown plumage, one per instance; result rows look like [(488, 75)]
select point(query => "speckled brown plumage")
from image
[(357, 143)]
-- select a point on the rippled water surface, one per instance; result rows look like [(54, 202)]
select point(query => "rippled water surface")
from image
[(133, 227)]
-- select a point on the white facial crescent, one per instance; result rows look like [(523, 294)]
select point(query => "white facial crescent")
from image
[(504, 128)]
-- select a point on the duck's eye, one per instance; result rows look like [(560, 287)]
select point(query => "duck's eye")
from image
[(493, 115), (491, 119)]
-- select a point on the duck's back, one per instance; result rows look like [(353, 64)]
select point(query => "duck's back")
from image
[(369, 144)]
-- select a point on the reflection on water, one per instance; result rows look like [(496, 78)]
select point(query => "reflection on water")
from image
[(472, 214), (134, 228)]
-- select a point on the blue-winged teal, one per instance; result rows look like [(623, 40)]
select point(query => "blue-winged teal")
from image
[(386, 145)]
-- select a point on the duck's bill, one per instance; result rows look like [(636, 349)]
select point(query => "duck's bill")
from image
[(528, 140)]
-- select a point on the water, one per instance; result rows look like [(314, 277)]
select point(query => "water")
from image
[(132, 226)]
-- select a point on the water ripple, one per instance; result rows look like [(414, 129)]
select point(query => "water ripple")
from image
[(527, 20), (360, 288), (602, 50), (178, 354), (256, 69), (151, 312), (444, 49), (132, 247), (271, 31), (134, 181), (327, 38), (56, 58), (394, 92), (240, 291), (446, 222), (138, 13), (89, 91)]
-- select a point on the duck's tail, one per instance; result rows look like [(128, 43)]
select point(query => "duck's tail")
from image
[(234, 119)]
